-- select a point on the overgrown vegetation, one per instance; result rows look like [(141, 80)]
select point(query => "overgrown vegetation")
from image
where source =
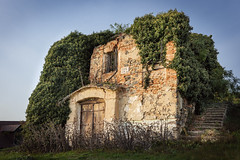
[(66, 69), (201, 78), (200, 75), (119, 28), (120, 135), (232, 93), (227, 148)]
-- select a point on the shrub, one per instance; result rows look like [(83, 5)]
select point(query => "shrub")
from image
[(48, 137), (123, 135)]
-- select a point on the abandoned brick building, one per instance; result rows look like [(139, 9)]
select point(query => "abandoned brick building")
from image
[(117, 90)]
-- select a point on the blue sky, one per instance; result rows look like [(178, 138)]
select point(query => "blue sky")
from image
[(28, 28)]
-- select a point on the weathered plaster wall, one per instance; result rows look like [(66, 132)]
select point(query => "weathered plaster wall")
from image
[(85, 93), (158, 102)]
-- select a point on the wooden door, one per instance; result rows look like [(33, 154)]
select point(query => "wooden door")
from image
[(92, 116)]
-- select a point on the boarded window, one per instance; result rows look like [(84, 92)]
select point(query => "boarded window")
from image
[(111, 61), (92, 116)]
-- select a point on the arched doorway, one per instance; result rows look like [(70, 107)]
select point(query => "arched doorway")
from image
[(91, 116)]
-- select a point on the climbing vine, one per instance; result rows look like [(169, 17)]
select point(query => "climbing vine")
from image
[(65, 70), (195, 58), (153, 32), (67, 64)]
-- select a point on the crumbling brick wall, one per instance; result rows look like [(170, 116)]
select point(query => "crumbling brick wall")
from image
[(160, 101)]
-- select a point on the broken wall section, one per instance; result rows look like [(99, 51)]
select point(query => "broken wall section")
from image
[(159, 102)]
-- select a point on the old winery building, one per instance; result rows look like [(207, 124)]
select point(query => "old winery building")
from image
[(117, 90)]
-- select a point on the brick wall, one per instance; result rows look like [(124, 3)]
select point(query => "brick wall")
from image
[(160, 101)]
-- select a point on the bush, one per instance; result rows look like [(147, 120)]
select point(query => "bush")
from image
[(123, 135), (65, 70), (46, 138)]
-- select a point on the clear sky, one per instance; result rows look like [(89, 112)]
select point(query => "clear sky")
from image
[(28, 28)]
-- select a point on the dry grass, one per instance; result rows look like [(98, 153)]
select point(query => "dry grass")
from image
[(120, 135)]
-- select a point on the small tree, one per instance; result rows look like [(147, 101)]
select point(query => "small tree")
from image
[(119, 28), (233, 86)]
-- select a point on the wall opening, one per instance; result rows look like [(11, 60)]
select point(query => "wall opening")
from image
[(92, 113), (111, 61)]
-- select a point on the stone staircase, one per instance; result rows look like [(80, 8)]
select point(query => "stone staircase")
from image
[(210, 122)]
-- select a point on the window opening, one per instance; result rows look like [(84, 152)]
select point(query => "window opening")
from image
[(111, 61)]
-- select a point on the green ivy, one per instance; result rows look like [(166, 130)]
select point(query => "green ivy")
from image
[(65, 70), (195, 59), (67, 64)]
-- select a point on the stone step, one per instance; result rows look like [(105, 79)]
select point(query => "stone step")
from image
[(201, 127), (208, 127), (212, 119), (208, 122), (211, 116), (220, 107), (216, 110), (213, 113)]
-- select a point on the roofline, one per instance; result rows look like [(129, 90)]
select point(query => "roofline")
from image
[(11, 122)]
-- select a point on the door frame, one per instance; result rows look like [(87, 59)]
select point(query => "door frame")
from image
[(92, 102)]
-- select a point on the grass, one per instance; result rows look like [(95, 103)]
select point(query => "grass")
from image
[(78, 155), (227, 148)]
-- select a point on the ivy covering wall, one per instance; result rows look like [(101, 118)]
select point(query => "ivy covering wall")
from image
[(200, 75), (66, 68)]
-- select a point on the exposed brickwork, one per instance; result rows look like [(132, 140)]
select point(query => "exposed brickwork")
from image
[(160, 101)]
